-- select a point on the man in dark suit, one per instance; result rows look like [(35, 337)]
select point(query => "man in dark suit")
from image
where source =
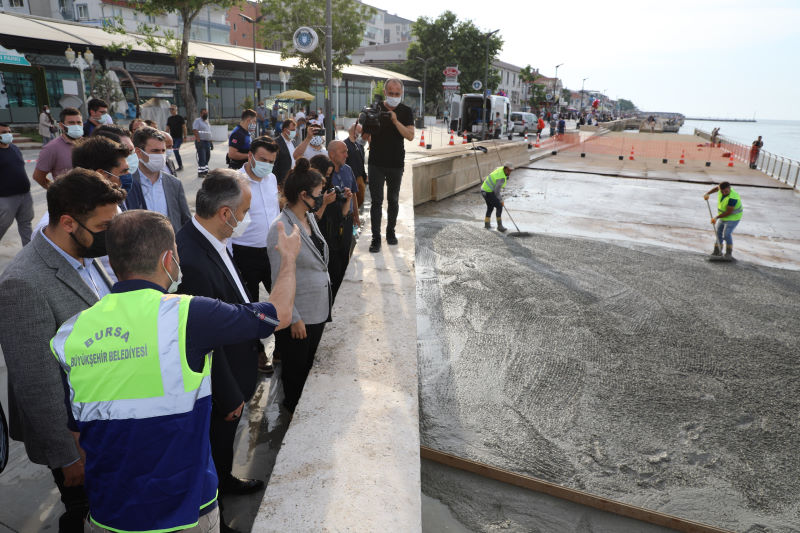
[(208, 270), (285, 161), (50, 280), (152, 187)]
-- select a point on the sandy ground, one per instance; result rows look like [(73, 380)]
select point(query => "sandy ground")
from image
[(605, 353)]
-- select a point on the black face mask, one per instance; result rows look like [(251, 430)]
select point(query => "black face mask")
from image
[(204, 116), (317, 203), (98, 246)]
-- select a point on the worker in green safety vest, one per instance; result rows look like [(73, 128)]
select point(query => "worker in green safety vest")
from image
[(492, 192), (729, 213)]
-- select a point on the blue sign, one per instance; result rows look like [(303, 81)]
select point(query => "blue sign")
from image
[(12, 57)]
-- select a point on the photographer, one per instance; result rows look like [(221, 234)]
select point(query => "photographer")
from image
[(387, 159), (312, 145)]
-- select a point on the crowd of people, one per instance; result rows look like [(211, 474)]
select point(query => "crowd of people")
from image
[(134, 328)]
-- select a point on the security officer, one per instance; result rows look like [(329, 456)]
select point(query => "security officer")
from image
[(492, 192), (137, 364), (729, 213), (240, 138)]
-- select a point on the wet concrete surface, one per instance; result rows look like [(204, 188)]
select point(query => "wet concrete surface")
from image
[(605, 353)]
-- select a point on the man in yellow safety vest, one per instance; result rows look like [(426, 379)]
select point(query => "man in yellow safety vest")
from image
[(729, 213), (492, 192)]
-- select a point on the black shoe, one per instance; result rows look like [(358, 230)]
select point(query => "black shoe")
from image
[(391, 238), (179, 168), (235, 485), (225, 528), (375, 245)]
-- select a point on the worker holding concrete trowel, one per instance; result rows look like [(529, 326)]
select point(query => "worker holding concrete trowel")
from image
[(729, 213), (492, 192)]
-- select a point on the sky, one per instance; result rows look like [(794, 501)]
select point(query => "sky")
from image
[(702, 58)]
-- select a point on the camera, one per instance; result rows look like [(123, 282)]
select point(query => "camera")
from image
[(370, 118), (341, 196)]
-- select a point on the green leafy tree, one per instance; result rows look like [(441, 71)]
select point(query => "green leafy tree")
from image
[(349, 20), (449, 41), (168, 41), (626, 105)]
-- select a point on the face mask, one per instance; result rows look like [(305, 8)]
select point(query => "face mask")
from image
[(174, 283), (105, 118), (317, 140), (393, 101), (6, 138), (261, 169), (47, 111), (156, 162), (98, 246), (126, 181), (241, 225), (317, 203), (251, 127), (292, 134), (204, 116), (133, 162), (75, 131)]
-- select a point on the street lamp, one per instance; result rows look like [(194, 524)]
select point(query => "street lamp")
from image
[(336, 83), (81, 63), (486, 81), (424, 82), (206, 71), (582, 82), (255, 76), (555, 88), (284, 76), (371, 96)]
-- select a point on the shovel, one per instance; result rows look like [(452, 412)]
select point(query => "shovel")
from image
[(517, 233), (716, 239)]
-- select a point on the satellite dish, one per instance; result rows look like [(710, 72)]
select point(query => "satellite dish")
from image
[(305, 40)]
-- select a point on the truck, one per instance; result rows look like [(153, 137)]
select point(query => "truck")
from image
[(466, 115)]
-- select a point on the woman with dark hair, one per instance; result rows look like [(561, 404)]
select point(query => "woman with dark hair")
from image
[(312, 303)]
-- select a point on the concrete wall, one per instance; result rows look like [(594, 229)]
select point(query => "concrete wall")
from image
[(449, 171)]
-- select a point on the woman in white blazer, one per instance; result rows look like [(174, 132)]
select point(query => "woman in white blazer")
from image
[(312, 302)]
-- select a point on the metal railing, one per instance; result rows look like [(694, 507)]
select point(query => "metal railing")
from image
[(783, 169)]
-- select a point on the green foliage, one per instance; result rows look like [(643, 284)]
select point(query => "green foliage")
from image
[(104, 89), (378, 92), (247, 103), (449, 41), (349, 20), (303, 78), (625, 105)]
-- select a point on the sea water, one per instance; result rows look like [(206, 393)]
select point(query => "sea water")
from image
[(781, 137)]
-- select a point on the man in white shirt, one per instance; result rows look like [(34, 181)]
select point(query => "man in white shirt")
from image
[(250, 248)]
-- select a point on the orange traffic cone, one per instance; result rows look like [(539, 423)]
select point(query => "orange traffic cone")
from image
[(683, 158), (464, 141), (422, 139), (538, 138), (630, 157), (730, 161), (452, 141)]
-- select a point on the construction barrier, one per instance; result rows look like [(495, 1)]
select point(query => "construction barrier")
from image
[(667, 147)]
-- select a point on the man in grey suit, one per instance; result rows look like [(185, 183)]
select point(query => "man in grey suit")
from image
[(153, 188), (50, 280)]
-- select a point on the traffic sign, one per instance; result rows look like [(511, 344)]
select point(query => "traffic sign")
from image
[(477, 84)]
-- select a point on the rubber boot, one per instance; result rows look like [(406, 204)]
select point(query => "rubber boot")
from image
[(729, 251), (500, 226), (486, 223), (716, 251)]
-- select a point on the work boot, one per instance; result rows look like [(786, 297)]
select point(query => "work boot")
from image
[(729, 252), (391, 238), (716, 251), (500, 226), (486, 223), (375, 245)]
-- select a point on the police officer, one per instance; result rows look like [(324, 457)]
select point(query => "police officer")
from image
[(138, 368), (492, 192), (729, 213), (240, 138)]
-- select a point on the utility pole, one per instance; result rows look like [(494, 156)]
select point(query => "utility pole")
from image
[(255, 75), (486, 83), (555, 89), (329, 130), (424, 83), (582, 82)]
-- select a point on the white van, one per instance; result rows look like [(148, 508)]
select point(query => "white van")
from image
[(524, 122), (470, 108)]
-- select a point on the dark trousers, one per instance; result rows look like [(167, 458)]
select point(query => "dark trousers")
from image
[(222, 435), (492, 203), (75, 502), (203, 153), (297, 358), (176, 144), (253, 263), (393, 178), (339, 257)]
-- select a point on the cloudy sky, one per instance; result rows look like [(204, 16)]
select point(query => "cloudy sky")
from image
[(706, 58)]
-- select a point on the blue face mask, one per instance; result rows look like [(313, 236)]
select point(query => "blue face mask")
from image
[(261, 168), (75, 131), (133, 162), (6, 138), (126, 181)]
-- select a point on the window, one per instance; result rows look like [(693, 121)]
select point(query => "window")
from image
[(244, 36), (234, 26), (17, 3), (82, 11)]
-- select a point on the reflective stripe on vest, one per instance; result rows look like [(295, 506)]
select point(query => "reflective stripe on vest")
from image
[(722, 205), (123, 362), (491, 179)]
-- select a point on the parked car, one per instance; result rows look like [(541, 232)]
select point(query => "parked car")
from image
[(523, 122)]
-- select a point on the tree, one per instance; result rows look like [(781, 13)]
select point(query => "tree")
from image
[(448, 42), (536, 92), (626, 105), (168, 41), (348, 19)]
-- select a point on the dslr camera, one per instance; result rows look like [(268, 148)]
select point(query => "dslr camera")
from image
[(340, 194), (371, 116)]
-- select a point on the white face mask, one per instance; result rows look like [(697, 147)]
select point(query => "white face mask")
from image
[(6, 138), (393, 101), (105, 118), (292, 134), (133, 162), (156, 163), (261, 169), (75, 131), (241, 225), (174, 283)]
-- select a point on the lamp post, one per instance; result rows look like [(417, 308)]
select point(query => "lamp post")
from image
[(486, 81), (206, 71), (582, 83), (81, 63), (284, 76), (424, 83), (255, 76), (336, 83), (555, 88), (328, 67), (372, 86)]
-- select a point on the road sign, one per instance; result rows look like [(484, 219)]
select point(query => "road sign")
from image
[(451, 72), (305, 40), (549, 97), (477, 84)]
